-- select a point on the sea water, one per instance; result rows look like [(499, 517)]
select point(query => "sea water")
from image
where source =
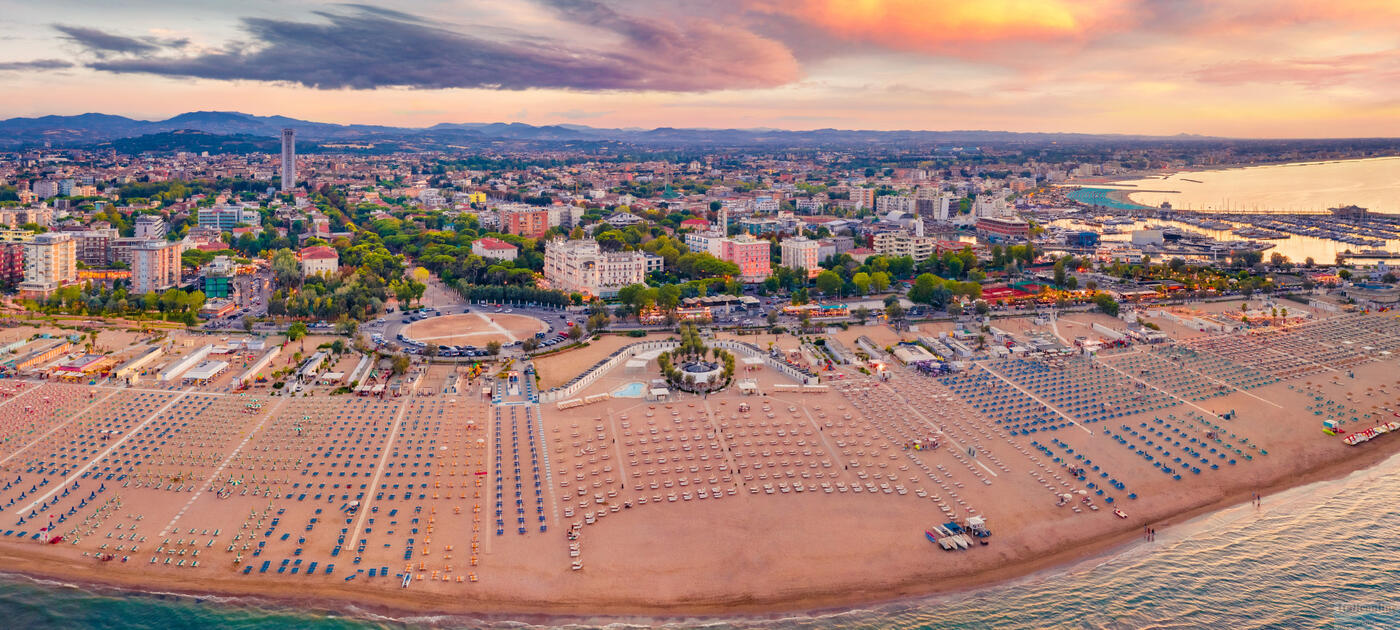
[(1304, 186), (1325, 555)]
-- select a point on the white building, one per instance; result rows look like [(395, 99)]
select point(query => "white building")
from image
[(892, 203), (318, 259), (150, 226), (225, 218), (583, 267), (802, 253), (991, 205), (50, 262)]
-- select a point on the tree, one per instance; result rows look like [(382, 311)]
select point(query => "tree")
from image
[(924, 285), (493, 347), (982, 307), (772, 317), (530, 344), (285, 268), (1344, 274), (575, 332), (399, 364), (296, 331), (862, 282), (598, 322), (1107, 304), (430, 350), (894, 311), (880, 281), (829, 283), (247, 324), (861, 314), (955, 309)]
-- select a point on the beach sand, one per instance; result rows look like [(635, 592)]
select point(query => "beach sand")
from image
[(425, 462)]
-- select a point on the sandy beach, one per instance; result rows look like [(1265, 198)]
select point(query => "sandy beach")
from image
[(788, 500)]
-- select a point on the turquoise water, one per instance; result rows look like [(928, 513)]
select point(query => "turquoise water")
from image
[(630, 390), (1099, 197), (1321, 556)]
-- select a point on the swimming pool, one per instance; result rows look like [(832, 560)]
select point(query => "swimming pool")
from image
[(630, 390)]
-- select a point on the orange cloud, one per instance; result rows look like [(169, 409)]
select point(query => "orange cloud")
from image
[(939, 26)]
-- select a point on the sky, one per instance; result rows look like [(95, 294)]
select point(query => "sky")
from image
[(1239, 68)]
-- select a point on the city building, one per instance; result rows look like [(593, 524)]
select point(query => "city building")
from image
[(897, 243), (150, 226), (45, 189), (750, 254), (931, 203), (802, 253), (289, 159), (155, 266), (1003, 228), (525, 221), (991, 205), (893, 203), (318, 259), (494, 248), (50, 262), (654, 262), (218, 277), (583, 267), (703, 242), (12, 246), (225, 218), (94, 247), (863, 198)]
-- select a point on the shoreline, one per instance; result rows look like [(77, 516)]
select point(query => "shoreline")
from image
[(404, 606)]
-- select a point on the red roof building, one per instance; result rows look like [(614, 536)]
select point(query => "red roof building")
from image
[(494, 248)]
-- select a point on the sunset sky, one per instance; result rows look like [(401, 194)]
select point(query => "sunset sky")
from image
[(1247, 68)]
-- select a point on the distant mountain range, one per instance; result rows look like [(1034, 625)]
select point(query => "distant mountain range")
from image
[(96, 130)]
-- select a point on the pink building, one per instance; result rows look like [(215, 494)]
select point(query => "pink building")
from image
[(750, 254)]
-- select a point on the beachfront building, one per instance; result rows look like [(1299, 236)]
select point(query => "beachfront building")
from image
[(50, 262), (802, 253), (583, 267), (750, 254), (494, 249), (155, 266)]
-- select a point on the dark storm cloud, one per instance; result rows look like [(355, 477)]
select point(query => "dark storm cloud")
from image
[(37, 64), (373, 48), (102, 42)]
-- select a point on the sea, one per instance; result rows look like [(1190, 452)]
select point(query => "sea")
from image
[(1323, 555), (1372, 183)]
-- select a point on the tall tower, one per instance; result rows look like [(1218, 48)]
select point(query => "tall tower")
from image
[(289, 159)]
